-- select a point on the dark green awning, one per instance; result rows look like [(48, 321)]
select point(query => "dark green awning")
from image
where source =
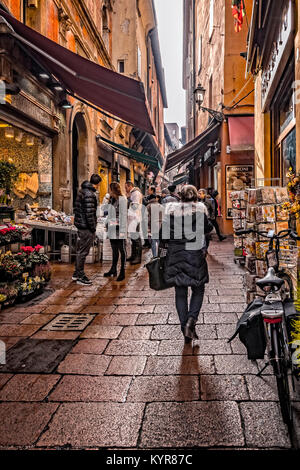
[(130, 153), (181, 179)]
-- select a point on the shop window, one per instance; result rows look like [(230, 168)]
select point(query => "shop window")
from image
[(283, 128)]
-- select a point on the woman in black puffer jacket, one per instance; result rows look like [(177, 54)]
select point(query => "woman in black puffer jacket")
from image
[(187, 224)]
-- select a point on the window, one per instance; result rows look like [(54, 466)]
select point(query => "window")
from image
[(283, 128), (139, 62), (211, 19), (200, 53), (210, 93), (121, 66)]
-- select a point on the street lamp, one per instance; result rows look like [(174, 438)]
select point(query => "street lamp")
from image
[(199, 94)]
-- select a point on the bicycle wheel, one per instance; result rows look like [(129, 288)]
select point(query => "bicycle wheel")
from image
[(283, 373)]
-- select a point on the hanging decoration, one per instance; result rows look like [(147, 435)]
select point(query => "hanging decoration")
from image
[(238, 12)]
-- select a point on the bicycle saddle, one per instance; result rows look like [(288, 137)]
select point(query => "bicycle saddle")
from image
[(270, 280)]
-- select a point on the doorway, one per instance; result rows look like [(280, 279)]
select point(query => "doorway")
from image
[(79, 154)]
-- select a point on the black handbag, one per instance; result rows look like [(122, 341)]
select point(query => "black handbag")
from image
[(156, 268)]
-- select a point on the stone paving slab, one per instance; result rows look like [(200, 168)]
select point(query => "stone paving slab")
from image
[(22, 423), (94, 425), (18, 330), (132, 348), (4, 378), (84, 364), (121, 319), (263, 425), (161, 388), (195, 424), (101, 332), (152, 319), (91, 389), (56, 335), (215, 318), (136, 332), (174, 332), (37, 319), (125, 365), (179, 365), (28, 387), (135, 309), (13, 317), (223, 387), (90, 346), (236, 364)]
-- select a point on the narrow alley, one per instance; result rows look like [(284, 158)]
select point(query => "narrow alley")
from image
[(124, 378)]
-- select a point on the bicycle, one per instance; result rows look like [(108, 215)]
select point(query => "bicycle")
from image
[(277, 287)]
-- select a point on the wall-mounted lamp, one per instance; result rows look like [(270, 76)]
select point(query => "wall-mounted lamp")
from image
[(56, 86), (9, 132), (19, 136), (44, 76), (30, 140), (65, 104), (199, 94)]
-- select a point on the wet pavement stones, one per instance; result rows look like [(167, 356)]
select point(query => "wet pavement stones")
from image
[(128, 380)]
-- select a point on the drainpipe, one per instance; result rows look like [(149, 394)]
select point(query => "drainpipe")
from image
[(194, 81)]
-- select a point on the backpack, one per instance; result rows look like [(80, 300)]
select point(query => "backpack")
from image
[(250, 329)]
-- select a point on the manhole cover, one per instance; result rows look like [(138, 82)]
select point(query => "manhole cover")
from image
[(67, 322), (36, 355)]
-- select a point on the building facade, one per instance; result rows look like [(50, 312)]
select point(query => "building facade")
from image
[(136, 53), (273, 61), (55, 139), (219, 142)]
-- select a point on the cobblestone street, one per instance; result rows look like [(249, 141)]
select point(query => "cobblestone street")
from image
[(128, 380)]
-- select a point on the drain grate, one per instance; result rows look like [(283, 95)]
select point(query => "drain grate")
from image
[(69, 322)]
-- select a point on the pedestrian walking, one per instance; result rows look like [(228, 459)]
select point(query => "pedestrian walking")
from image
[(151, 190), (172, 189), (186, 267), (85, 221), (214, 221), (206, 200), (117, 229), (135, 199), (154, 210), (168, 196)]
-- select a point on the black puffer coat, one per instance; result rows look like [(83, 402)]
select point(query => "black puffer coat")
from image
[(86, 207), (186, 267)]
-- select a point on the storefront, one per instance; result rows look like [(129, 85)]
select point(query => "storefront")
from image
[(272, 44), (33, 162)]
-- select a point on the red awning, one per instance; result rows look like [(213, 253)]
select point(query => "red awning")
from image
[(119, 95), (241, 133), (194, 148)]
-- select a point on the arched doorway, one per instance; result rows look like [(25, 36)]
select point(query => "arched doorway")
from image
[(79, 153)]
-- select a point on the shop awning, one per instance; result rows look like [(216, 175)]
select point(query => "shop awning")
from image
[(194, 148), (127, 152), (179, 179), (241, 133), (113, 92)]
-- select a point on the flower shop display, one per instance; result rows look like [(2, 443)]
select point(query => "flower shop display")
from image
[(13, 233), (23, 275)]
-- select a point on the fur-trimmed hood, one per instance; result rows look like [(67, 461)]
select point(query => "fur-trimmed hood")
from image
[(179, 209)]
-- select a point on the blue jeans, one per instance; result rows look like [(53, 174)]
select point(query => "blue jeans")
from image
[(154, 246), (185, 311)]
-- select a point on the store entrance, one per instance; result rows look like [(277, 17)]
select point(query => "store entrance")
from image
[(79, 154)]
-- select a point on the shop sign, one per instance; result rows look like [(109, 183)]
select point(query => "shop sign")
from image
[(124, 161), (238, 177), (279, 56)]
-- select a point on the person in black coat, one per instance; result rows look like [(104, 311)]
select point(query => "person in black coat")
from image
[(184, 228), (85, 221)]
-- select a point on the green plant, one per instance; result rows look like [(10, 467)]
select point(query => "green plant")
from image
[(8, 175)]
